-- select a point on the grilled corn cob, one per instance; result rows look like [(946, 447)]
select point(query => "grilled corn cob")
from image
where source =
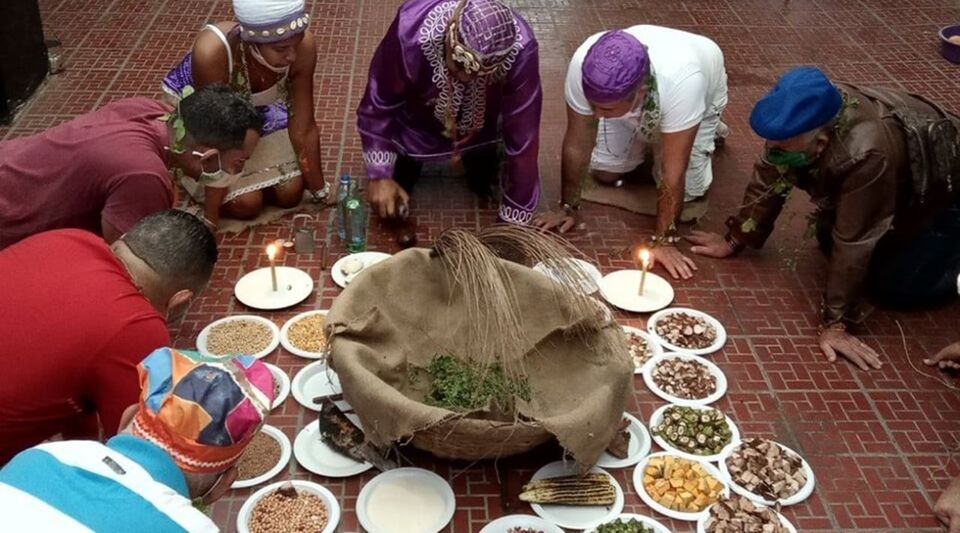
[(592, 489)]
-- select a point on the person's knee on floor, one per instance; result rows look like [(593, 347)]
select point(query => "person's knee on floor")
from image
[(287, 195), (244, 207), (607, 178)]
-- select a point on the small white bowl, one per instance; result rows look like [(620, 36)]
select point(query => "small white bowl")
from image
[(652, 341), (314, 380), (657, 527), (285, 336), (714, 369), (677, 515), (702, 522), (274, 331), (639, 446), (333, 508), (367, 258), (801, 495), (717, 343), (663, 443), (425, 480), (281, 377), (586, 276), (284, 460)]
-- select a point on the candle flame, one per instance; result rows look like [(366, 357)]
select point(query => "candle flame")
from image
[(271, 251), (645, 256)]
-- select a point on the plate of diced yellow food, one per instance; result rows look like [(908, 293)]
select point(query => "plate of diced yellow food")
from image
[(678, 488)]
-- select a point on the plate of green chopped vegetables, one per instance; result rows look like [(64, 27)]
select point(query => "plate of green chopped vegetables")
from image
[(631, 523)]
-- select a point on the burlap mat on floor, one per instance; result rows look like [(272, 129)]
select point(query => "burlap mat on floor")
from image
[(639, 196), (403, 311)]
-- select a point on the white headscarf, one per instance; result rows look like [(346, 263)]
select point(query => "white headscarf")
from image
[(265, 12)]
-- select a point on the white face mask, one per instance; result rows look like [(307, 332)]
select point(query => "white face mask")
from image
[(208, 178), (255, 52)]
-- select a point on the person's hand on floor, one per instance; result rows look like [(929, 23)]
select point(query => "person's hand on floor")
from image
[(835, 341), (709, 244), (558, 219), (947, 358), (386, 197), (947, 508), (673, 260)]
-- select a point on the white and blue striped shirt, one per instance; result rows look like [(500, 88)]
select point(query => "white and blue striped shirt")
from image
[(127, 485)]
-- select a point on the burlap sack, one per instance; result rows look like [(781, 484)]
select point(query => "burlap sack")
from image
[(406, 309)]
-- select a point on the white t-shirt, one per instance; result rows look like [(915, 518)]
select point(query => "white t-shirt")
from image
[(688, 68)]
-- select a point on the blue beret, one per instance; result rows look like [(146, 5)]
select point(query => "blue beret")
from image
[(802, 100)]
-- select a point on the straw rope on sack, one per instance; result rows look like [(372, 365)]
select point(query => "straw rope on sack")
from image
[(556, 364)]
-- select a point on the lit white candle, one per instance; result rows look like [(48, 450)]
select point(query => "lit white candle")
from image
[(644, 265), (272, 254)]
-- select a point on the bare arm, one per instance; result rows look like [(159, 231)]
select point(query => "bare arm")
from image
[(674, 157), (578, 144), (304, 134), (212, 202)]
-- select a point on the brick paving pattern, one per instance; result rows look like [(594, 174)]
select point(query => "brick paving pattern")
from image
[(882, 444)]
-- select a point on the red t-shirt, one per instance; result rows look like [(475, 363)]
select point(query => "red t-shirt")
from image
[(73, 327), (109, 163)]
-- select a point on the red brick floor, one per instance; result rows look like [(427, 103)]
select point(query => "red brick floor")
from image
[(882, 443)]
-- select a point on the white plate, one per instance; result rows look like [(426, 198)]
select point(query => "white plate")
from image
[(205, 332), (256, 289), (658, 416), (657, 527), (425, 480), (314, 380), (804, 492), (368, 259), (687, 517), (714, 369), (620, 288), (576, 516), (285, 335), (284, 379), (586, 276), (314, 454), (638, 449), (717, 344), (333, 508), (783, 520), (652, 342), (505, 523), (281, 464)]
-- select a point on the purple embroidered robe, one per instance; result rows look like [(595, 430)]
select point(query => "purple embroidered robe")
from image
[(409, 95)]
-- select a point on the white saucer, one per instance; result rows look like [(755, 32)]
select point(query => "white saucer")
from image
[(205, 332), (701, 524), (277, 468), (333, 508), (284, 379), (314, 380), (652, 342), (576, 516), (658, 416), (285, 332), (714, 369), (367, 258), (801, 495), (717, 343), (638, 449), (424, 480), (657, 527), (256, 289), (314, 454), (677, 515), (587, 276), (506, 523), (621, 288)]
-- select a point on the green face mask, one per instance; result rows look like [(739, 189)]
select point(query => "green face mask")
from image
[(782, 158)]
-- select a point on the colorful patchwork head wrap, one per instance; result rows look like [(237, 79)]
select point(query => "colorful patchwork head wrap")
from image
[(269, 21), (202, 414), (481, 35), (614, 67), (803, 100)]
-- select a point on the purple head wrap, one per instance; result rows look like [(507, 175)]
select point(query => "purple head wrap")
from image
[(614, 67), (482, 34)]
